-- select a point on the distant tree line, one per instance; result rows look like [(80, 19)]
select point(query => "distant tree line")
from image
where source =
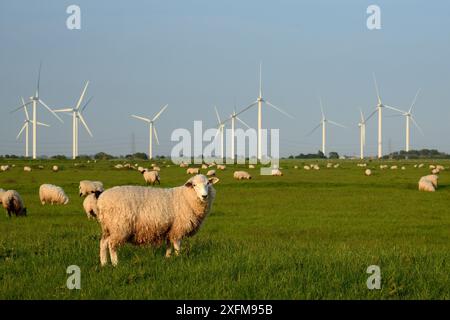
[(318, 155), (418, 154)]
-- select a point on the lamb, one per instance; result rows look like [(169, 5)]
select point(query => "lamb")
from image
[(27, 169), (151, 177), (193, 171), (240, 175), (368, 172), (277, 172), (432, 178), (90, 205), (221, 167), (426, 185), (55, 169), (211, 173), (87, 187), (13, 203), (142, 215), (49, 193)]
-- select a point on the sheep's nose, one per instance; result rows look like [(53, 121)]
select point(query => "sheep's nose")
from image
[(204, 196)]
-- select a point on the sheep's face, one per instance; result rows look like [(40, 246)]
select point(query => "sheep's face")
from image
[(201, 185)]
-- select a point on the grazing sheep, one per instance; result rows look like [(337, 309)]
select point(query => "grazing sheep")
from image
[(277, 172), (204, 166), (420, 165), (87, 187), (251, 166), (295, 167), (183, 165), (394, 167), (432, 166), (329, 165), (426, 185), (336, 165), (403, 168), (193, 171), (90, 205), (142, 215), (151, 177), (49, 193), (415, 166), (368, 172), (221, 167), (13, 203), (118, 166), (316, 167), (383, 166), (240, 175), (440, 167), (156, 168), (4, 167), (432, 178), (211, 173), (55, 168), (141, 169), (435, 171), (27, 169), (307, 167)]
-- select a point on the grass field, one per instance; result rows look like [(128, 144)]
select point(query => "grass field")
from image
[(306, 235)]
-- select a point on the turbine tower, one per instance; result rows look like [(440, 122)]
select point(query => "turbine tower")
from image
[(220, 128), (35, 101), (77, 116), (259, 102), (362, 134), (26, 125), (152, 129), (379, 109), (233, 119), (323, 123)]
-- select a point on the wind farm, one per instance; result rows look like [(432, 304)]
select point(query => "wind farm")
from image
[(277, 152)]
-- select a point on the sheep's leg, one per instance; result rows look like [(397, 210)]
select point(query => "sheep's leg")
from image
[(177, 246), (168, 249), (113, 253), (103, 251), (9, 213)]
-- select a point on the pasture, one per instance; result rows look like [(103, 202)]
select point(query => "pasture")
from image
[(305, 235)]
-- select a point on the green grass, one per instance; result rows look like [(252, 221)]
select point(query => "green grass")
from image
[(306, 235)]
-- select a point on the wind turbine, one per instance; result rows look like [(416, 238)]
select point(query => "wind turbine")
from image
[(259, 101), (26, 125), (34, 101), (362, 134), (152, 129), (409, 117), (220, 128), (77, 115), (379, 109), (323, 123), (233, 119)]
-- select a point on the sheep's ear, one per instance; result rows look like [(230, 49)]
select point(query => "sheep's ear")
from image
[(188, 183), (213, 180)]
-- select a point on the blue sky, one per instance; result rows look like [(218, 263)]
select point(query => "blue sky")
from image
[(140, 55)]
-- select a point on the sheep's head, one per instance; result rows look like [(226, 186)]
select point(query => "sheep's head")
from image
[(201, 185)]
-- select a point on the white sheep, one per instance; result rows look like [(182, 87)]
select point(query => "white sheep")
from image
[(432, 178), (329, 165), (251, 166), (295, 167), (426, 185), (277, 172), (435, 171), (143, 215), (432, 166), (440, 167), (403, 168), (306, 167), (183, 165), (204, 166), (368, 172), (394, 167), (118, 166), (4, 167), (156, 168), (221, 167), (316, 167), (90, 205), (27, 169), (151, 177), (240, 175), (55, 168), (336, 165), (211, 173), (12, 202), (193, 171), (87, 187), (1, 194), (420, 165), (49, 193)]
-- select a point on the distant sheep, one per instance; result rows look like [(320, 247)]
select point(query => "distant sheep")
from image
[(12, 202), (435, 171), (27, 169), (156, 168), (251, 166), (276, 172), (55, 168), (90, 205), (403, 168), (432, 166), (142, 215), (183, 165), (329, 165), (295, 167), (87, 187), (368, 172), (316, 167), (241, 175), (394, 167), (440, 167), (49, 193), (4, 167), (193, 171), (221, 167), (118, 166), (420, 165), (151, 177), (336, 165), (204, 166), (307, 167), (211, 173)]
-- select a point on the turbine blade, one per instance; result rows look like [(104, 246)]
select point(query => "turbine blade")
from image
[(41, 124), (39, 79), (321, 107), (414, 101), (82, 96), (22, 106), (156, 135), (217, 115), (160, 112), (141, 118), (371, 115), (86, 104), (64, 110), (279, 109), (336, 124), (417, 125), (51, 111), (241, 121), (246, 108), (314, 129), (362, 115), (84, 124), (376, 88), (21, 130), (395, 109), (25, 109)]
